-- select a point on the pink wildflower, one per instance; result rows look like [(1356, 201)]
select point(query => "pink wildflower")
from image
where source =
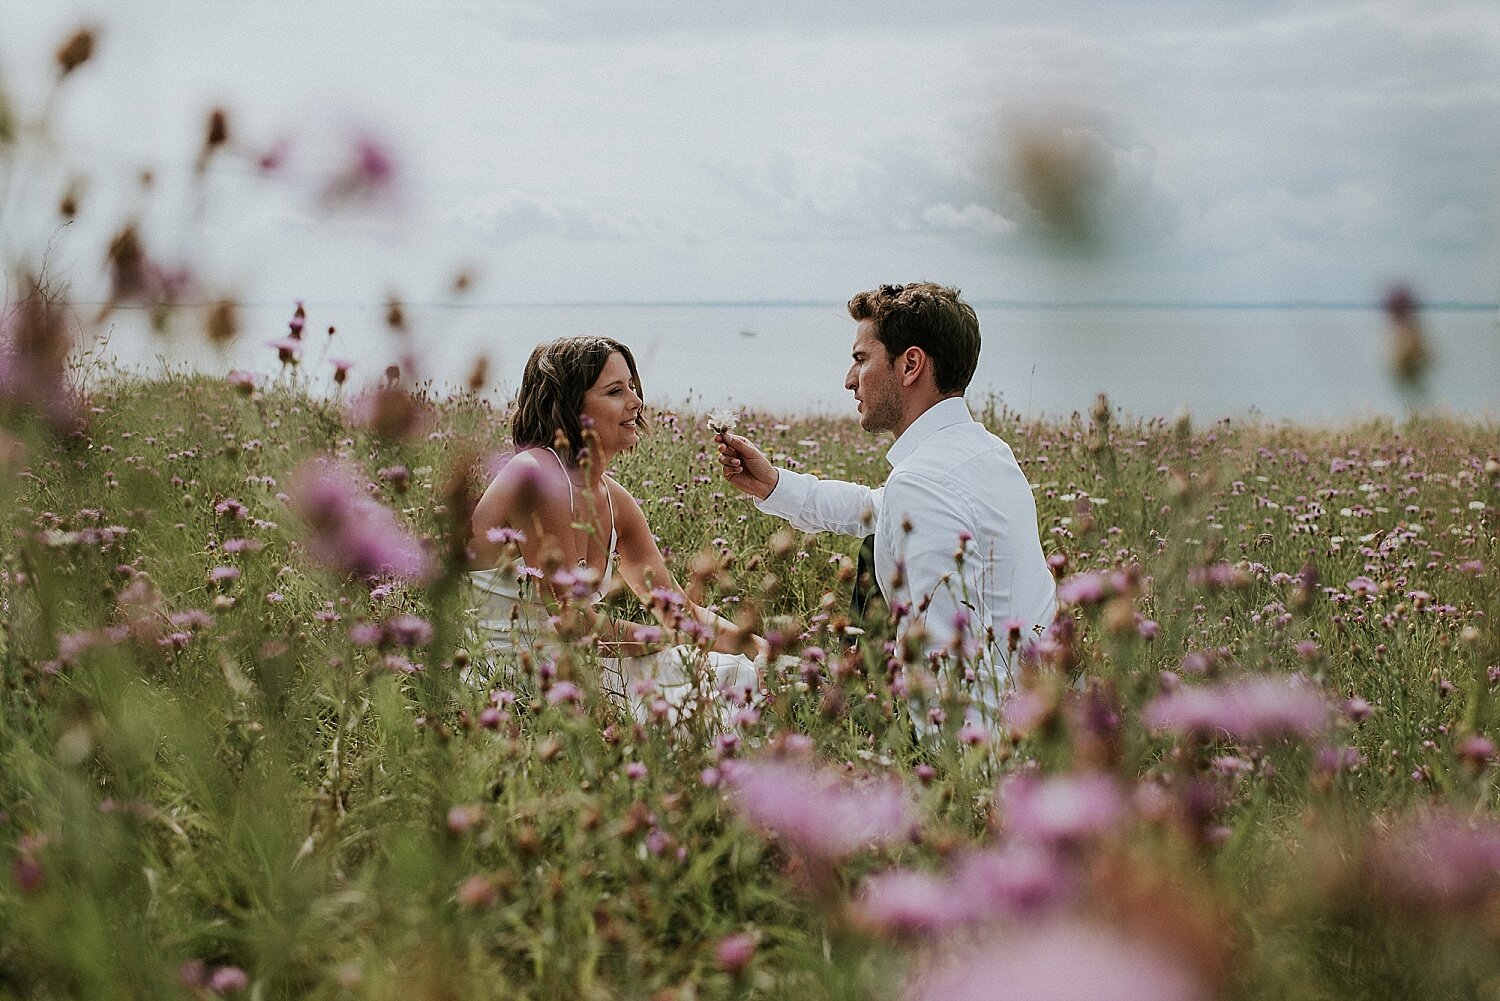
[(1439, 860), (819, 812), (352, 532), (1253, 708), (734, 952), (1060, 961), (1061, 809), (228, 980)]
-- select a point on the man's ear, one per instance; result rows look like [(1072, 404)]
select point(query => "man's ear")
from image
[(913, 363)]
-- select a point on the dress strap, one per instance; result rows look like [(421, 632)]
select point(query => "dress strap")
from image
[(566, 478)]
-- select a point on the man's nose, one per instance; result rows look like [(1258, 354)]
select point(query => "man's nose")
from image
[(849, 380)]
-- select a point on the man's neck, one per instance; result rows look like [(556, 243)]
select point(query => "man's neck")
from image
[(917, 409)]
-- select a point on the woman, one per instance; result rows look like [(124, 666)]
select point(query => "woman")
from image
[(553, 526)]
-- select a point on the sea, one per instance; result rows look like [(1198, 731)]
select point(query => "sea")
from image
[(1278, 363)]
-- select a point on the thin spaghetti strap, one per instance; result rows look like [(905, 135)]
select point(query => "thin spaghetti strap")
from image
[(566, 478)]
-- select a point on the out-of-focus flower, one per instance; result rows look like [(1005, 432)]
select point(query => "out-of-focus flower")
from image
[(351, 531), (1253, 708), (1410, 355), (389, 411), (221, 323), (1476, 750), (819, 812), (34, 345), (408, 630), (1438, 860), (288, 351), (464, 817), (1061, 809), (369, 173), (907, 901), (734, 952), (1060, 961), (228, 980), (76, 51)]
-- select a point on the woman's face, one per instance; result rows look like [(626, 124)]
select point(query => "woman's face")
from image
[(613, 404)]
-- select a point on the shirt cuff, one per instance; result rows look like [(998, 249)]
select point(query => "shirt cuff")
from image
[(788, 497)]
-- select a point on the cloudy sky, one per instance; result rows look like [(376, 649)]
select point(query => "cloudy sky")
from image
[(647, 150)]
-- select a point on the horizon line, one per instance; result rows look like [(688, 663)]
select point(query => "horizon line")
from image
[(1451, 306)]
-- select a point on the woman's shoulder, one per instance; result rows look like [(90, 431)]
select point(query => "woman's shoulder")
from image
[(623, 500), (531, 466)]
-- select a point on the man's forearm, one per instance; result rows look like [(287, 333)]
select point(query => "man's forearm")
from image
[(815, 505)]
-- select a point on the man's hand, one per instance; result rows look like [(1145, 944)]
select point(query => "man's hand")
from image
[(745, 466)]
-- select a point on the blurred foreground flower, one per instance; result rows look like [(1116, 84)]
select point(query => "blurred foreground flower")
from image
[(1255, 708), (389, 411), (819, 812), (1061, 809), (351, 531), (1410, 356), (34, 346), (1015, 881), (1439, 860), (1063, 961)]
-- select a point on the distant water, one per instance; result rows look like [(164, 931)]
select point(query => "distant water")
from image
[(1297, 363)]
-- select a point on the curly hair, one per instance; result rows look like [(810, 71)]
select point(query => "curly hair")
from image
[(927, 316), (549, 406)]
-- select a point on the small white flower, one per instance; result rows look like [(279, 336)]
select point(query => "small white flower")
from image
[(1476, 505), (723, 421)]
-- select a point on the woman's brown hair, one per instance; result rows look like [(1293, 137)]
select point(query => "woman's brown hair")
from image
[(550, 403)]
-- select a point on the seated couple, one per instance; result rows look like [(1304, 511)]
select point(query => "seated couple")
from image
[(957, 554)]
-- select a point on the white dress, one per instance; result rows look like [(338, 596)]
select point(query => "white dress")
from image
[(509, 617)]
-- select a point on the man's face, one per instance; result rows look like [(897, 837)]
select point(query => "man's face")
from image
[(874, 382)]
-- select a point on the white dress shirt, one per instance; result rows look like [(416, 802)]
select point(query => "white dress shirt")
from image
[(951, 480)]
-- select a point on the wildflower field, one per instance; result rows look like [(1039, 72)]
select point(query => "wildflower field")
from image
[(1252, 759)]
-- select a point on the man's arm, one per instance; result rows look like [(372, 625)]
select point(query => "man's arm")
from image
[(810, 504)]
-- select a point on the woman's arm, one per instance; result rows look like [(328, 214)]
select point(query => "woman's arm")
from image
[(529, 496), (645, 572)]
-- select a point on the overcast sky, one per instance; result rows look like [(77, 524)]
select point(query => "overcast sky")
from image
[(670, 151)]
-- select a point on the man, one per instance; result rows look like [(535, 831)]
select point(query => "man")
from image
[(958, 556)]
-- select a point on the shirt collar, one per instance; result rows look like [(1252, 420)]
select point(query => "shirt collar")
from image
[(942, 414)]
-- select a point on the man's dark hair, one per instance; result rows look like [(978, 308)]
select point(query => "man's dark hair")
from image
[(927, 316), (550, 402)]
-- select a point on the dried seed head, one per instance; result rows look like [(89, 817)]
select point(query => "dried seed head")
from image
[(222, 323), (76, 51), (479, 374)]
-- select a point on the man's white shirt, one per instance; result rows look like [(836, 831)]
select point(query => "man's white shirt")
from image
[(953, 487)]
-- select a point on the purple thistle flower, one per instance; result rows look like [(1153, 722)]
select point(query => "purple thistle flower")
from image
[(351, 531), (288, 351), (910, 901), (734, 952), (220, 576), (408, 630), (820, 812), (1439, 860), (1061, 809), (1085, 588), (564, 691), (1060, 961), (228, 980), (1254, 708)]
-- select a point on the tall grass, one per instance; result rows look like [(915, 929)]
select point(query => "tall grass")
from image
[(260, 780)]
